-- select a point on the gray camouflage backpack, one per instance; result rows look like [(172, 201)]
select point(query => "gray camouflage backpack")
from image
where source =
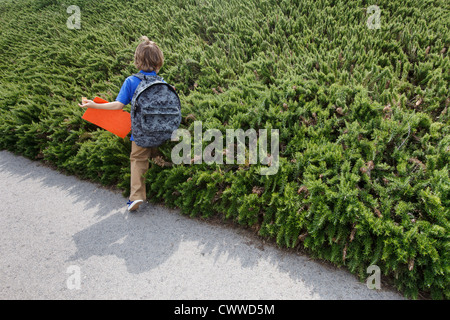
[(155, 111)]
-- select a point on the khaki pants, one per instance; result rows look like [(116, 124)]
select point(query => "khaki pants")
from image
[(139, 165)]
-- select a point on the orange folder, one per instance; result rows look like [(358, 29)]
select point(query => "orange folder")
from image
[(115, 121)]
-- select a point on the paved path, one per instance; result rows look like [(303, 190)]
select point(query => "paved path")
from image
[(56, 229)]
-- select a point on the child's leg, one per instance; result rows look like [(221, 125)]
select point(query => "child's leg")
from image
[(139, 165)]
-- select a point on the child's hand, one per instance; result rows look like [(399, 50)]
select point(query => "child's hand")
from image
[(87, 104)]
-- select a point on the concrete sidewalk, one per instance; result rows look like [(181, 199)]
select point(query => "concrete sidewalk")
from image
[(62, 238)]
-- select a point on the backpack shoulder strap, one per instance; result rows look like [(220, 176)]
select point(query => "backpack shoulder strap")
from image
[(142, 76), (139, 75), (146, 81)]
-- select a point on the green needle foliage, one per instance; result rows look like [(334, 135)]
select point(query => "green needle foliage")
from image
[(362, 114)]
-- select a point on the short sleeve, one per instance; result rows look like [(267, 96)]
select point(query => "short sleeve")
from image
[(126, 93)]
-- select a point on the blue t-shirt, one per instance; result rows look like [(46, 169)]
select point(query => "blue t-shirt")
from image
[(129, 86)]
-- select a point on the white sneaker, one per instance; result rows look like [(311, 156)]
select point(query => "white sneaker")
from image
[(134, 205)]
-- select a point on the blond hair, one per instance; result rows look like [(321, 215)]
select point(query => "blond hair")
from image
[(148, 56)]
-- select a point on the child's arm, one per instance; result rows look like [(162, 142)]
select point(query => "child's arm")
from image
[(116, 105)]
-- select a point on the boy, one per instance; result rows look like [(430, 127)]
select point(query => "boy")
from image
[(148, 59)]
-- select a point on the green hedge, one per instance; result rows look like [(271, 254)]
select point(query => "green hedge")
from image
[(362, 113)]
